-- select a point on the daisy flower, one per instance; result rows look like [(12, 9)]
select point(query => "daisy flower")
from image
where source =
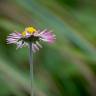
[(32, 35)]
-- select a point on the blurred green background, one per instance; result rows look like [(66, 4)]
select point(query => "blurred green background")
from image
[(65, 68)]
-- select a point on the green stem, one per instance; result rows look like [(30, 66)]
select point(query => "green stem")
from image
[(31, 68)]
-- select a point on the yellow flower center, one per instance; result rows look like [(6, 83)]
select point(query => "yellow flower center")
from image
[(30, 30), (24, 33)]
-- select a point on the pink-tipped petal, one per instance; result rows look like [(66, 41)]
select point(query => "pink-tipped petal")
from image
[(13, 37), (47, 36)]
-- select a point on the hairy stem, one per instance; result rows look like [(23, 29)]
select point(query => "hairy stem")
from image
[(31, 68)]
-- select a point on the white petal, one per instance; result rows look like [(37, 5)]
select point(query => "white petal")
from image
[(39, 44)]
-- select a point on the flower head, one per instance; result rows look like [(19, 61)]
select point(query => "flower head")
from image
[(32, 35)]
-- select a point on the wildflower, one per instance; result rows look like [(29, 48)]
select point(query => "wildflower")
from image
[(32, 35)]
